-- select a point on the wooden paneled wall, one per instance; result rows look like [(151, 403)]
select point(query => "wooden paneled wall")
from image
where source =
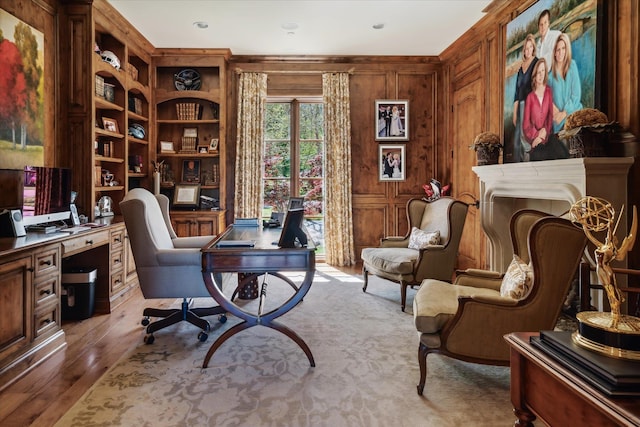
[(451, 99), (378, 207)]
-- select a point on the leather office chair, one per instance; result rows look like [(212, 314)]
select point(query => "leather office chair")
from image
[(468, 319), (394, 260), (168, 266)]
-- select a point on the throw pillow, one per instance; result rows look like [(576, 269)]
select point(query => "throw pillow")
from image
[(518, 279), (421, 239)]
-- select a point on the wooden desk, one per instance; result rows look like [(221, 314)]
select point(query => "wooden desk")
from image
[(30, 289), (541, 387), (264, 257)]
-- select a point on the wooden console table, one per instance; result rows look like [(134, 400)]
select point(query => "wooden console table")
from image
[(541, 387)]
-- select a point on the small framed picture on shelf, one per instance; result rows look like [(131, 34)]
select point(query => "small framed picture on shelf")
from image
[(167, 147), (213, 145), (186, 196), (110, 124), (203, 149), (191, 171), (190, 132)]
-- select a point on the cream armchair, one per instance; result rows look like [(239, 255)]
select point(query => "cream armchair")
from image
[(397, 261), (168, 266), (468, 319)]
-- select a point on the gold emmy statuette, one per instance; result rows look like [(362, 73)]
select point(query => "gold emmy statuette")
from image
[(612, 334)]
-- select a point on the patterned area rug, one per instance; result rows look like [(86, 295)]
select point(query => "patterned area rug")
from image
[(366, 371)]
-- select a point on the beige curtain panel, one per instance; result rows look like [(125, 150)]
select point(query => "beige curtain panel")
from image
[(337, 216), (252, 94)]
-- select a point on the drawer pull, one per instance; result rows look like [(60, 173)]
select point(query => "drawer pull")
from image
[(117, 261), (31, 269), (88, 242), (45, 322), (117, 282), (46, 262), (117, 240), (45, 292)]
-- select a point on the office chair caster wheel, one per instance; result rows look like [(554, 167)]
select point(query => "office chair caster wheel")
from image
[(222, 318), (145, 321), (202, 336), (149, 339)]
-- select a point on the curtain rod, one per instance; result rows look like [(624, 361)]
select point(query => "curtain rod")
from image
[(240, 71)]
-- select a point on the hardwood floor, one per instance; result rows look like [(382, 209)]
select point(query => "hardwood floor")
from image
[(46, 393)]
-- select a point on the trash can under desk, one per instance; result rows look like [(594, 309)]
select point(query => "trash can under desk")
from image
[(78, 293)]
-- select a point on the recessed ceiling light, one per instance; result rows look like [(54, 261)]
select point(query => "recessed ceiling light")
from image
[(201, 25), (289, 26), (378, 26)]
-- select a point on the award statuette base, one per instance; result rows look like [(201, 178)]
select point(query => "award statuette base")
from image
[(595, 333)]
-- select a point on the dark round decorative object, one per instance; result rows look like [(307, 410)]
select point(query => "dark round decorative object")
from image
[(187, 79), (137, 131)]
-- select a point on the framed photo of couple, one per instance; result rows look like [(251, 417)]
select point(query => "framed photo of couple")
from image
[(551, 71), (391, 161), (392, 120)]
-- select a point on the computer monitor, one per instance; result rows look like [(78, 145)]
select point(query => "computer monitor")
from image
[(293, 229)]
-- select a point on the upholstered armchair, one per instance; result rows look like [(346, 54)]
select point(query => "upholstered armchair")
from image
[(468, 319), (168, 266), (428, 250)]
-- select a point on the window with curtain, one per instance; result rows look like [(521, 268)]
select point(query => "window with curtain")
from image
[(294, 153)]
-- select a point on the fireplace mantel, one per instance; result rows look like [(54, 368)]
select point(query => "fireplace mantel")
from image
[(550, 186)]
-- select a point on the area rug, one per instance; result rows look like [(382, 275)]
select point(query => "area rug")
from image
[(365, 349)]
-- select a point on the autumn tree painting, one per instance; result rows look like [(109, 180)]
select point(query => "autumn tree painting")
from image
[(21, 93)]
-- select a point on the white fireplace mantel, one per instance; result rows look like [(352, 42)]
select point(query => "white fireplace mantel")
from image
[(551, 186)]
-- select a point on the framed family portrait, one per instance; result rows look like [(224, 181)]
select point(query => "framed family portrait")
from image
[(110, 124), (391, 161), (191, 171), (559, 42), (392, 120)]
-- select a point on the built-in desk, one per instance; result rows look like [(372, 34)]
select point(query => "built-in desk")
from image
[(31, 270)]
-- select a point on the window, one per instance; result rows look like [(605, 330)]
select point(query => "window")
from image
[(294, 159)]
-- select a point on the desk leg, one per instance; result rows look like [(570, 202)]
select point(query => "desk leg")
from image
[(213, 281), (222, 338), (295, 337)]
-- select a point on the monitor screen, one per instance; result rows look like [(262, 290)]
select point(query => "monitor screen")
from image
[(293, 230), (46, 194)]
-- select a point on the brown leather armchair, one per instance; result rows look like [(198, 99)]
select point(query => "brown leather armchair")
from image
[(467, 320), (395, 261)]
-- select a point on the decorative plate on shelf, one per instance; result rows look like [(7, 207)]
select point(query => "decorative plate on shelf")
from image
[(187, 79)]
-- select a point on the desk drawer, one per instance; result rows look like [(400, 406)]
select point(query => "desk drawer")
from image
[(117, 260), (117, 237), (83, 242), (117, 282), (47, 262), (45, 291), (46, 320)]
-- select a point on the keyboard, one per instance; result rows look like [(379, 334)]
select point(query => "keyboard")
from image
[(76, 229)]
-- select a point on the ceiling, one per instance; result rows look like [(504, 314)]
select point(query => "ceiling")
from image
[(324, 27)]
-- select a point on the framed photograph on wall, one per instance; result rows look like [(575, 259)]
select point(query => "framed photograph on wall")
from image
[(392, 120), (391, 161), (191, 170), (566, 35)]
